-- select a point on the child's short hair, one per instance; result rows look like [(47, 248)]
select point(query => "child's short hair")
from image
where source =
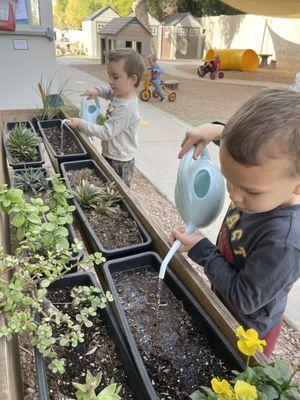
[(134, 64), (268, 125)]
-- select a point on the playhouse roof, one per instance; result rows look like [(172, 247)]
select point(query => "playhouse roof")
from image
[(152, 20), (175, 18), (116, 24), (98, 12)]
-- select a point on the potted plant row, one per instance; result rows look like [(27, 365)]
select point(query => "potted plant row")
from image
[(175, 344), (22, 145), (61, 142), (109, 224), (61, 314), (36, 183)]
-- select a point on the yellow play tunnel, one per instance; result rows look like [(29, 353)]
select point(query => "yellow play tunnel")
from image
[(241, 60)]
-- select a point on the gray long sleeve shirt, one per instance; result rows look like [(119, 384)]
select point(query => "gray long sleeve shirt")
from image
[(254, 265), (119, 132)]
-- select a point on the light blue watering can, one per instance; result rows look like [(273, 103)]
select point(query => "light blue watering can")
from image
[(90, 112), (199, 196)]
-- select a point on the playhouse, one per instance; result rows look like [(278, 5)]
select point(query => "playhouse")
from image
[(182, 37), (91, 27), (124, 32)]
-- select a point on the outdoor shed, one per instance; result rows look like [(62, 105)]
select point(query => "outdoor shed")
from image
[(91, 27), (181, 37), (125, 32)]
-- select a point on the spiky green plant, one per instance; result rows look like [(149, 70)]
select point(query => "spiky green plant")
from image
[(22, 143), (108, 207), (31, 180), (88, 194)]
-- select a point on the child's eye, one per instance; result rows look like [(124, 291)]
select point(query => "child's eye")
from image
[(253, 193)]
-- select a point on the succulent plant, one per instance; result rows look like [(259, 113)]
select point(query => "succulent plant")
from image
[(88, 194), (31, 180), (22, 143)]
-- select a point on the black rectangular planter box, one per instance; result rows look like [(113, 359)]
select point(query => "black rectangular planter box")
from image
[(93, 240), (18, 165), (134, 381), (57, 159), (214, 336), (70, 227)]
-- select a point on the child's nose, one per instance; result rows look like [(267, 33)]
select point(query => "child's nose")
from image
[(234, 194)]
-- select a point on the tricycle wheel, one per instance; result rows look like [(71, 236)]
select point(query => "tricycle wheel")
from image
[(145, 94), (200, 71), (155, 94), (172, 96), (221, 75), (212, 76)]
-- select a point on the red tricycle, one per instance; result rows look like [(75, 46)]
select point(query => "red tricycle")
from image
[(209, 67)]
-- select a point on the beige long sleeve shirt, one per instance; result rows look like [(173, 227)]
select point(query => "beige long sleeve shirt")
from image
[(119, 132)]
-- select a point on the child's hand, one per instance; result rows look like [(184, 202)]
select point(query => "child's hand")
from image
[(200, 136), (188, 241), (91, 93), (73, 123)]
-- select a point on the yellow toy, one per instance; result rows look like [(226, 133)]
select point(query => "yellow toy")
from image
[(147, 91)]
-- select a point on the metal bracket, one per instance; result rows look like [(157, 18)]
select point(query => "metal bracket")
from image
[(49, 33)]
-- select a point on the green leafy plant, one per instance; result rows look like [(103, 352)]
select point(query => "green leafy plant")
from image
[(31, 180), (22, 143), (20, 299), (273, 381), (101, 119), (87, 391)]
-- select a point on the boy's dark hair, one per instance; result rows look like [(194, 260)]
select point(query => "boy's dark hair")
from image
[(134, 64), (267, 125)]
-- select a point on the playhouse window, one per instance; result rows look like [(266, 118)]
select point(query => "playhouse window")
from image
[(153, 30), (193, 32), (35, 12), (99, 27), (182, 31)]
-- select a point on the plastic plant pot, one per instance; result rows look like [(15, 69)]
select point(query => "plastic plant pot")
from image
[(93, 241), (134, 381), (214, 336), (9, 126), (56, 158)]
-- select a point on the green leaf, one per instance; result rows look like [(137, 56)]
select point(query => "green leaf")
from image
[(49, 227), (59, 188), (45, 283), (18, 220), (279, 373), (34, 219), (48, 239)]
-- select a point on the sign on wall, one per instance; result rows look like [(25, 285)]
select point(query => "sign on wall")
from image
[(21, 12)]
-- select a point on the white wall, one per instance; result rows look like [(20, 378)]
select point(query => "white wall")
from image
[(20, 70), (248, 31)]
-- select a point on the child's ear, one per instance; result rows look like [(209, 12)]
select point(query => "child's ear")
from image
[(134, 79)]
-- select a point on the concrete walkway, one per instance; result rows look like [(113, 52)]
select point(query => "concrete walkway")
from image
[(160, 136)]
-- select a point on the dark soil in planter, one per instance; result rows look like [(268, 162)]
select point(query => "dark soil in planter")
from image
[(61, 146), (102, 355), (24, 159), (177, 355), (114, 231)]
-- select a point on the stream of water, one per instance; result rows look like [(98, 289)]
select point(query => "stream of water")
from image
[(63, 122)]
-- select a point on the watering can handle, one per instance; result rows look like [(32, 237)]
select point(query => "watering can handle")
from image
[(188, 230), (97, 102)]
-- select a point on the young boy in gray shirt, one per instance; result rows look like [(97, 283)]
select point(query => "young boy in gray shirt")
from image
[(118, 134), (257, 256)]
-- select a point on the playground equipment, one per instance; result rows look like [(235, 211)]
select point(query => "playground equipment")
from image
[(149, 91), (199, 196), (209, 68), (242, 60)]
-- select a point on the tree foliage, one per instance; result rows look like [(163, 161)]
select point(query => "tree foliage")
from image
[(71, 13)]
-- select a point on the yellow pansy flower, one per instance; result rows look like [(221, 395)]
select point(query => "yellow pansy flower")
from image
[(249, 341), (221, 388), (244, 391)]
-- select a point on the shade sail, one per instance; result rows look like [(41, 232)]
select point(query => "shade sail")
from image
[(272, 8)]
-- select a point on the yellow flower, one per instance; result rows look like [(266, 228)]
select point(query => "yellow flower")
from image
[(221, 388), (249, 341), (245, 391)]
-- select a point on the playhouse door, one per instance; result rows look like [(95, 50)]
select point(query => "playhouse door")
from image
[(166, 43)]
